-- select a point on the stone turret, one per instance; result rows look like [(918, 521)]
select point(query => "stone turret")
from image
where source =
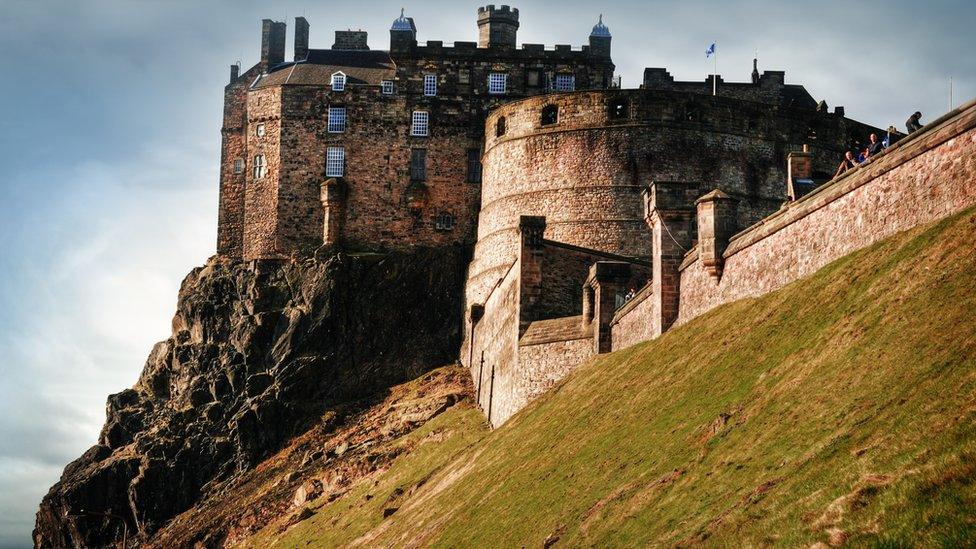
[(497, 26), (403, 33), (600, 40)]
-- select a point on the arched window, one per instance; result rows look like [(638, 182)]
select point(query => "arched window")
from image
[(550, 115), (338, 81), (618, 109), (500, 127)]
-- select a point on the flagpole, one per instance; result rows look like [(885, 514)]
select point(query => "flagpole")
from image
[(715, 73)]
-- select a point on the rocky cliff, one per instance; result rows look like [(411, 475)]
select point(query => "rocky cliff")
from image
[(258, 353)]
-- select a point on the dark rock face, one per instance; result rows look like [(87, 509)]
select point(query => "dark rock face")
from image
[(258, 351)]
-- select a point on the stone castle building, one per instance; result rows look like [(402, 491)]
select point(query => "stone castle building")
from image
[(597, 217)]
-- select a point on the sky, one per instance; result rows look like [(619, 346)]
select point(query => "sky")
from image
[(110, 117)]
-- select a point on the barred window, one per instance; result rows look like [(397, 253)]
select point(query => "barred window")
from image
[(419, 125), (259, 130), (386, 87), (335, 162), (565, 82), (474, 166), (338, 81), (337, 119), (444, 222), (238, 165), (497, 83), (259, 167), (418, 164), (430, 85)]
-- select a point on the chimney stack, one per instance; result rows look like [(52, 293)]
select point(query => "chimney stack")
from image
[(799, 169), (272, 43), (235, 71), (301, 39)]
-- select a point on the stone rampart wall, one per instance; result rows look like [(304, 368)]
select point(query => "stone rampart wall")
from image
[(634, 321), (923, 178)]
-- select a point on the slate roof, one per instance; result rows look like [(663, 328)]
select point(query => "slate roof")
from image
[(360, 67)]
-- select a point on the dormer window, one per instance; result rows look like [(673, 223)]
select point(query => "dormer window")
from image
[(386, 87), (338, 81), (497, 83), (550, 115), (430, 85), (500, 127)]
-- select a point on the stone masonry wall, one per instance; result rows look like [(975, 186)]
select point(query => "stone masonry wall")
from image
[(261, 194), (634, 321), (584, 173), (493, 351), (923, 178)]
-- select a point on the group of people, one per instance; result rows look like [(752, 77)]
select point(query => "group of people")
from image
[(859, 155)]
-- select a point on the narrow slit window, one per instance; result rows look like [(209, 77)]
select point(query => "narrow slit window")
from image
[(500, 127), (335, 162), (474, 166), (418, 165)]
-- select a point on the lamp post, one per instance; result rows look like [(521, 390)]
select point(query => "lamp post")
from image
[(83, 513)]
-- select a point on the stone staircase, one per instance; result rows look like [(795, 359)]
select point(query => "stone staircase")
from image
[(555, 329)]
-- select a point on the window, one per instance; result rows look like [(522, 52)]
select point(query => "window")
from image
[(419, 124), (238, 165), (474, 166), (418, 164), (259, 167), (430, 85), (338, 82), (335, 162), (550, 115), (464, 76), (337, 119), (500, 127), (618, 108), (259, 130), (533, 78), (386, 87), (497, 83), (444, 222), (565, 82)]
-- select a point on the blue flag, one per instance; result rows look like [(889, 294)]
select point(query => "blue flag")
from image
[(710, 50)]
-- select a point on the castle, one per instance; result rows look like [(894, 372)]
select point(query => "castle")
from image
[(597, 217)]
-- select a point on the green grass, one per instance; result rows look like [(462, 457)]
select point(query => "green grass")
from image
[(849, 406)]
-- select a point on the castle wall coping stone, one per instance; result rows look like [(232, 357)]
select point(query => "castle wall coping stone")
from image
[(932, 135)]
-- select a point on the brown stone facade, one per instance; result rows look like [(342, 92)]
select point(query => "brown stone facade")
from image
[(399, 187)]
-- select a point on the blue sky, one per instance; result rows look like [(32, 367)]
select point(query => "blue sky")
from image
[(109, 132)]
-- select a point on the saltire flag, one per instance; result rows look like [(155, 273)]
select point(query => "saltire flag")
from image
[(710, 50)]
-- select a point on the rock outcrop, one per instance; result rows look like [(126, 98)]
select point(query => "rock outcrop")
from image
[(258, 352)]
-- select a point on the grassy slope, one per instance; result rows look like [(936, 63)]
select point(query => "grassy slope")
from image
[(843, 407)]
